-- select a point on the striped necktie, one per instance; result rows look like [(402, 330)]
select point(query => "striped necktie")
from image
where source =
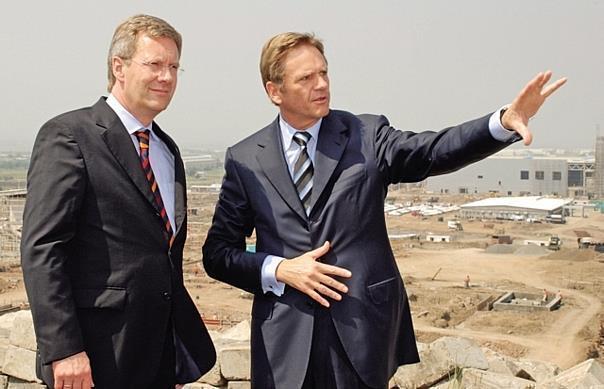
[(303, 170), (143, 142)]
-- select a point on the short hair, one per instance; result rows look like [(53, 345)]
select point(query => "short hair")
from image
[(126, 36), (276, 49)]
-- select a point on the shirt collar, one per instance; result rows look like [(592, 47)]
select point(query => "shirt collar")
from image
[(128, 120), (287, 132)]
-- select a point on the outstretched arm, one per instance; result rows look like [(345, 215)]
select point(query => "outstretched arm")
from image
[(527, 104)]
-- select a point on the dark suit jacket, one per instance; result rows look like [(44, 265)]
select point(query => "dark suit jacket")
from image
[(357, 157), (99, 273)]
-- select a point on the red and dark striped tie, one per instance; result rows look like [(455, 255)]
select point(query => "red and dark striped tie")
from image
[(143, 142)]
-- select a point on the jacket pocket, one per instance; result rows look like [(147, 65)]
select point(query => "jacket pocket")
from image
[(382, 291), (108, 297)]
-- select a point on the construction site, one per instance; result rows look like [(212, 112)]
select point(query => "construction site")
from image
[(455, 270)]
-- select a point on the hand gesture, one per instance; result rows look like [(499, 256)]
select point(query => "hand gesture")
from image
[(527, 103), (313, 278)]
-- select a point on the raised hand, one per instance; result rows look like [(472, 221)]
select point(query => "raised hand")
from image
[(528, 102), (313, 278)]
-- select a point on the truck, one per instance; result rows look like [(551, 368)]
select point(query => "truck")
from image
[(454, 225), (555, 218), (587, 242), (553, 243)]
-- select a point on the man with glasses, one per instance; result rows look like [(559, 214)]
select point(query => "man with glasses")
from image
[(104, 229)]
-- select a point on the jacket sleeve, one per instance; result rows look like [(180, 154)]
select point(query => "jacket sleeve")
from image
[(55, 188), (224, 254), (405, 156)]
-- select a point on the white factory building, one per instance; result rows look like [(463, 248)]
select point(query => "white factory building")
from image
[(535, 208), (519, 176)]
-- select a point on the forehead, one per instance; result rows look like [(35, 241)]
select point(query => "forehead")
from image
[(303, 58), (156, 46)]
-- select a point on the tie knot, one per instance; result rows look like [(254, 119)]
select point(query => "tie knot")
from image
[(302, 138), (143, 136)]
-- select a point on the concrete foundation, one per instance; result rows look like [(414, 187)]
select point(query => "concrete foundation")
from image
[(527, 302)]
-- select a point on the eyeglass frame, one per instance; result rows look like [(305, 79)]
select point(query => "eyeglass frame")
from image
[(158, 67)]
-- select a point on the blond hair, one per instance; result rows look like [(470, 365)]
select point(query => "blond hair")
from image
[(273, 55), (126, 36)]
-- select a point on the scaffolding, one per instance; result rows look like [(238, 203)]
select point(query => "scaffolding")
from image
[(11, 214)]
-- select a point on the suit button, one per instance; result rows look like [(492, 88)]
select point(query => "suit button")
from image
[(167, 296), (310, 304)]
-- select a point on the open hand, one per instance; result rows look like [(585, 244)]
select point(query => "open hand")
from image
[(313, 278), (527, 103)]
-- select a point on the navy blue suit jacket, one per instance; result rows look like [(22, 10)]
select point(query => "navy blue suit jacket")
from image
[(357, 158)]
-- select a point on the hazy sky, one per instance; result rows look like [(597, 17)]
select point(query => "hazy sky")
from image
[(424, 64)]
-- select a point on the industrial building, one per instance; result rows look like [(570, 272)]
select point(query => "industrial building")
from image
[(528, 208), (520, 176)]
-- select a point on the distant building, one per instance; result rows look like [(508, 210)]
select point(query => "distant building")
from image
[(519, 176), (528, 208), (599, 167), (212, 188)]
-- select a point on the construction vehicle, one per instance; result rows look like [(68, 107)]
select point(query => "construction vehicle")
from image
[(553, 243), (555, 218), (454, 225), (587, 242)]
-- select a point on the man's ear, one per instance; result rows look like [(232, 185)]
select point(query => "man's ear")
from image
[(118, 67), (273, 91)]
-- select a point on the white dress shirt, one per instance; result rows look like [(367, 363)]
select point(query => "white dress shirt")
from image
[(160, 156), (291, 150)]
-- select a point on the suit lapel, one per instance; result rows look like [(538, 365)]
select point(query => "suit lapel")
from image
[(272, 161), (330, 147), (120, 144)]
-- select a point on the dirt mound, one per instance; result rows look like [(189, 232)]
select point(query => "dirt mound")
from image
[(531, 249), (572, 255), (500, 249)]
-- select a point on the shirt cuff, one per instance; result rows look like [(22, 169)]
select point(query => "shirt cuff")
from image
[(268, 277), (497, 130)]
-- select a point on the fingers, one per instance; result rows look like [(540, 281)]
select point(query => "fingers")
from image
[(545, 77), (334, 270), (73, 372), (333, 284), (318, 298), (524, 132), (320, 251), (542, 79), (73, 384), (553, 87)]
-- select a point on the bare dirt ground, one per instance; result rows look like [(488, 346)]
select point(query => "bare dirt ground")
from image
[(440, 304)]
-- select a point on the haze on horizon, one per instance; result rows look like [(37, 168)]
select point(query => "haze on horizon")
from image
[(423, 64)]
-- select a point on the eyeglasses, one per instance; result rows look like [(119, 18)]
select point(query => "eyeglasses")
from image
[(159, 67)]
